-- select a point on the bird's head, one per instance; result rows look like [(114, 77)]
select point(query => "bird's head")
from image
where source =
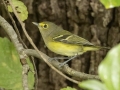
[(46, 27)]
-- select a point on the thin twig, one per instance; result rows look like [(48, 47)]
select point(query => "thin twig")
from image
[(14, 24), (31, 42)]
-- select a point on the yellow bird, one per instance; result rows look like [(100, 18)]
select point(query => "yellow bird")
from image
[(63, 42)]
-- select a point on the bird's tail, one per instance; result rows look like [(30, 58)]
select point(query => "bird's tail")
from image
[(104, 47), (94, 48)]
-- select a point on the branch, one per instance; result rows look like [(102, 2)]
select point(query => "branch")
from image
[(19, 47), (20, 39), (66, 69)]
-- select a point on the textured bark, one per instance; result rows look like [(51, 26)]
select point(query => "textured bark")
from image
[(86, 18)]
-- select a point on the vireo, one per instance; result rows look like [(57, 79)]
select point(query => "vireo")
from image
[(63, 42)]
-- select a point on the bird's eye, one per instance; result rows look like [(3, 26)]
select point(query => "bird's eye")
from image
[(45, 26)]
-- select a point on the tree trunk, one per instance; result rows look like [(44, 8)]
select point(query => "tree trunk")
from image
[(86, 18)]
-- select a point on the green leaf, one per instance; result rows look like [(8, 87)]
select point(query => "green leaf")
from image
[(68, 88), (20, 8), (11, 68), (110, 3), (109, 69), (92, 85)]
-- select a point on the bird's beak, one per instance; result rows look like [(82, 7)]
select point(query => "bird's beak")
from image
[(35, 23)]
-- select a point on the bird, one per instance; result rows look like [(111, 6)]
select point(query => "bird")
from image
[(63, 42)]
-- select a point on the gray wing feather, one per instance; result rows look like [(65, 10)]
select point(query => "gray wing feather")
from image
[(72, 39)]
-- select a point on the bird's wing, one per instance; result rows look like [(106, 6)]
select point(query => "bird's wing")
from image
[(72, 39)]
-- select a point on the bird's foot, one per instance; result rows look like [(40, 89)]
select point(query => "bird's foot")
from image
[(62, 64), (58, 58)]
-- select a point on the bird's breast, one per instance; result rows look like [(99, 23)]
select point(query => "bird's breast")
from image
[(64, 49)]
